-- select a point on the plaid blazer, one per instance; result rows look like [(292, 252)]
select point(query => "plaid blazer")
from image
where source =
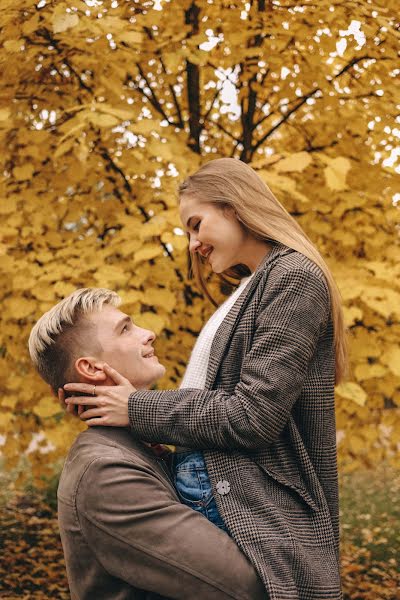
[(266, 423)]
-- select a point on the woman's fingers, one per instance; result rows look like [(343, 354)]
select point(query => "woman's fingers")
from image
[(61, 397), (87, 388), (69, 408), (91, 413), (84, 400), (101, 421), (117, 378)]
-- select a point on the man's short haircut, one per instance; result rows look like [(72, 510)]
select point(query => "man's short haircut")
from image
[(63, 334)]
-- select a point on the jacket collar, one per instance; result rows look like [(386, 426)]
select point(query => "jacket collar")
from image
[(225, 331)]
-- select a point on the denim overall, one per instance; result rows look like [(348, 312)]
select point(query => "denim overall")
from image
[(193, 485)]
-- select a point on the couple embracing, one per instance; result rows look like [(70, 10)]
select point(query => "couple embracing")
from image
[(247, 505)]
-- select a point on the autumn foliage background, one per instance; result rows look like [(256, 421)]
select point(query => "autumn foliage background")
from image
[(106, 105)]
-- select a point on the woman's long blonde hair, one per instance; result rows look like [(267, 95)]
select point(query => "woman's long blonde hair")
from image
[(230, 183)]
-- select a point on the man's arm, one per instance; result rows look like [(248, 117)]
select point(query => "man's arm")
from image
[(141, 534)]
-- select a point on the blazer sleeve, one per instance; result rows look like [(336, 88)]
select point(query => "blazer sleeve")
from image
[(294, 310)]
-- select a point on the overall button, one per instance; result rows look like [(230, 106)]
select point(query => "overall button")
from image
[(223, 487)]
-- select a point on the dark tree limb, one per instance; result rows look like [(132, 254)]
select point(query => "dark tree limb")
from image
[(193, 84), (153, 98)]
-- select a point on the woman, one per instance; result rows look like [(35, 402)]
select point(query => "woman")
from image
[(257, 406)]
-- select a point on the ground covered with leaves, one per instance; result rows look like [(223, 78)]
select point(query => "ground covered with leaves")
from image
[(32, 565)]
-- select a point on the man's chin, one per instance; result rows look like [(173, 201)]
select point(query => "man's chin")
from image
[(146, 386)]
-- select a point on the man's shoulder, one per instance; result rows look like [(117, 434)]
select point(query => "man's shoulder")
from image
[(102, 441), (99, 445)]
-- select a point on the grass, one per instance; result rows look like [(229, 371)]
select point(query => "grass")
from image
[(370, 513)]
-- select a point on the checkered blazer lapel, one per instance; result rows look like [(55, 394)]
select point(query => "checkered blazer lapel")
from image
[(225, 330)]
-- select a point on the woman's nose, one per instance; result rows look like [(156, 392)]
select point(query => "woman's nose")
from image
[(194, 244)]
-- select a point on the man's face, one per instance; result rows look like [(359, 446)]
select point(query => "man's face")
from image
[(126, 347)]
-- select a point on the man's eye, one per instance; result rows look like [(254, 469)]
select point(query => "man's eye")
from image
[(125, 328), (196, 227)]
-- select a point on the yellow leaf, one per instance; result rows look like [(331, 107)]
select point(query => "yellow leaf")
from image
[(162, 297), (352, 391), (47, 407), (20, 308), (150, 321), (64, 147), (384, 301), (148, 252), (179, 242), (366, 371), (152, 228), (131, 37), (23, 173), (13, 45), (8, 205), (336, 172), (5, 420), (110, 276), (346, 238), (131, 297), (129, 247), (62, 21), (144, 127), (44, 292), (352, 314), (102, 120), (121, 113), (63, 434), (280, 182), (4, 114), (64, 288), (296, 162), (9, 401), (391, 358)]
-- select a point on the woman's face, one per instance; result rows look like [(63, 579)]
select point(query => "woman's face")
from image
[(214, 232)]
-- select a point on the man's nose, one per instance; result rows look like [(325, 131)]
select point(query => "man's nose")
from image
[(149, 336)]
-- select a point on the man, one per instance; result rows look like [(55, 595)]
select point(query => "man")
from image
[(124, 532)]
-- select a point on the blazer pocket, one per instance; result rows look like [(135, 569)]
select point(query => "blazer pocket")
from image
[(298, 489)]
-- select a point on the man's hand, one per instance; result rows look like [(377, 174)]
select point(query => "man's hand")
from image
[(108, 405)]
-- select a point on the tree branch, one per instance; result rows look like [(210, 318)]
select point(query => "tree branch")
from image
[(153, 98), (180, 123), (283, 120), (193, 84)]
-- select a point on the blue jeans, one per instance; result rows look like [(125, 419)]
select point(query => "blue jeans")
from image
[(193, 485)]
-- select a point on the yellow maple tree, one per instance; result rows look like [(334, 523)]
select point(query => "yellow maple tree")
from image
[(106, 105)]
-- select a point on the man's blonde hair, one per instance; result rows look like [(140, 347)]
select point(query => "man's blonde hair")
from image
[(63, 334)]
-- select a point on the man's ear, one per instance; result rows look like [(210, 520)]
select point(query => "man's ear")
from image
[(90, 369)]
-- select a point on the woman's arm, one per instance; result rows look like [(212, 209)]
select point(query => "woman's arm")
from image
[(294, 310)]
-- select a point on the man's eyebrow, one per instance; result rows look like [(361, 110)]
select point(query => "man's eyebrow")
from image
[(122, 322)]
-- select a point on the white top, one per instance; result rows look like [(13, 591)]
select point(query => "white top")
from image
[(196, 370)]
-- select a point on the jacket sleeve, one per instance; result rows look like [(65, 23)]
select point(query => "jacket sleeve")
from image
[(142, 535), (294, 310)]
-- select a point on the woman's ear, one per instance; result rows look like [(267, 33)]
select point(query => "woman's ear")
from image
[(89, 368)]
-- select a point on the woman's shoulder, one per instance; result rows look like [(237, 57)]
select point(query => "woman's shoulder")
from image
[(287, 264), (292, 260)]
